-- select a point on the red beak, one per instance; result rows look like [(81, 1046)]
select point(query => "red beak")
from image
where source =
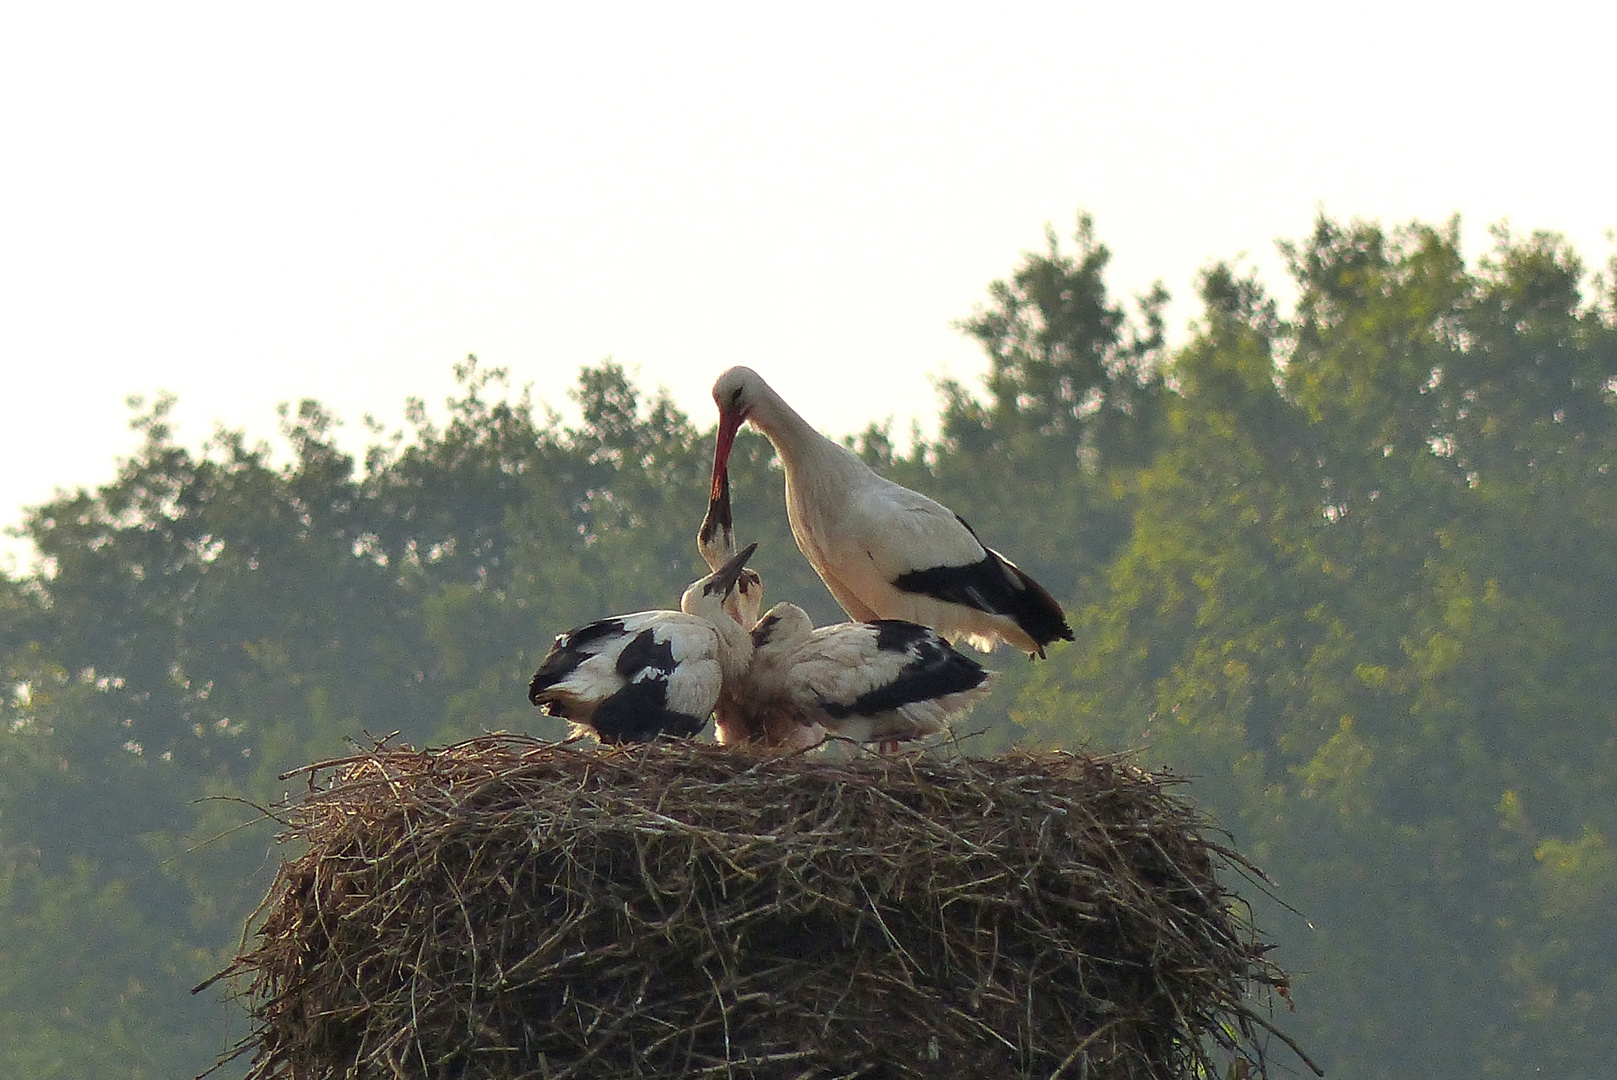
[(729, 423)]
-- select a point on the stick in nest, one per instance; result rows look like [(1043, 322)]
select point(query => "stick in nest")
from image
[(506, 907)]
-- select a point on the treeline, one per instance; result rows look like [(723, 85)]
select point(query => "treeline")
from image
[(1352, 567)]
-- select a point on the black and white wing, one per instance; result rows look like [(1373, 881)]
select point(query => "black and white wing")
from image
[(632, 678), (883, 680)]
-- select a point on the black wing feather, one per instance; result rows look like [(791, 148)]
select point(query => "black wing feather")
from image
[(995, 585), (639, 712), (636, 712), (935, 669), (570, 650), (647, 658)]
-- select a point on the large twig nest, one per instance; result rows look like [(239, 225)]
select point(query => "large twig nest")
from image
[(510, 908)]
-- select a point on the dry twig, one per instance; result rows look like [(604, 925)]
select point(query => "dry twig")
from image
[(510, 908)]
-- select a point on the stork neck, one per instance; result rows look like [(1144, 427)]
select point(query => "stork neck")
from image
[(735, 653), (803, 450)]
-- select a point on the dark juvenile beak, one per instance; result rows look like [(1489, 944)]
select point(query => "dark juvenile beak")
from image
[(717, 535), (724, 578)]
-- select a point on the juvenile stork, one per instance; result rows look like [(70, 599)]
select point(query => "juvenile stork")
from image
[(632, 678), (876, 682), (717, 543), (884, 551)]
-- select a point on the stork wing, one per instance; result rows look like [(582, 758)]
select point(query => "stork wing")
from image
[(864, 669)]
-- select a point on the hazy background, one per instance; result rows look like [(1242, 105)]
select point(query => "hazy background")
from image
[(249, 206), (1367, 610)]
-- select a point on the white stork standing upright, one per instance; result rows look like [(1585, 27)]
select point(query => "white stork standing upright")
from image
[(632, 678), (884, 551), (874, 682)]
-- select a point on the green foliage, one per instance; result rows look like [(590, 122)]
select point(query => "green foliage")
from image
[(1351, 567), (1366, 598), (1070, 376)]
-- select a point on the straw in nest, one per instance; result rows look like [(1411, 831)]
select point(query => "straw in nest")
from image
[(509, 908)]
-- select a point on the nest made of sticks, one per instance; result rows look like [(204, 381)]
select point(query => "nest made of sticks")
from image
[(510, 908)]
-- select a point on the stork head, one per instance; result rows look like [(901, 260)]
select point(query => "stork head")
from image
[(747, 601), (783, 625), (706, 596), (736, 394)]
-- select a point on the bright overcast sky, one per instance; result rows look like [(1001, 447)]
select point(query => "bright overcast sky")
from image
[(250, 204)]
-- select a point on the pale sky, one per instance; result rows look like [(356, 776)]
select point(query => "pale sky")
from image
[(254, 204)]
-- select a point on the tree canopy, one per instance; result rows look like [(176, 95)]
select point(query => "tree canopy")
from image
[(1351, 567)]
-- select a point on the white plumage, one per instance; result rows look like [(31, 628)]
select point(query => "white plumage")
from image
[(882, 681), (884, 551), (632, 678)]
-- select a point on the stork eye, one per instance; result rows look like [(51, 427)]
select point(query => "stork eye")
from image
[(735, 397)]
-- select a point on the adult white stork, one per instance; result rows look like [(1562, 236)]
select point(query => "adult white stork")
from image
[(716, 541), (884, 551), (875, 682), (632, 678)]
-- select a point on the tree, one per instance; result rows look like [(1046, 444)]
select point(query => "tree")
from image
[(1344, 607), (1350, 567), (1070, 375)]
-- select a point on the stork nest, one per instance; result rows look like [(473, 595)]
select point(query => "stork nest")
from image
[(508, 908)]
